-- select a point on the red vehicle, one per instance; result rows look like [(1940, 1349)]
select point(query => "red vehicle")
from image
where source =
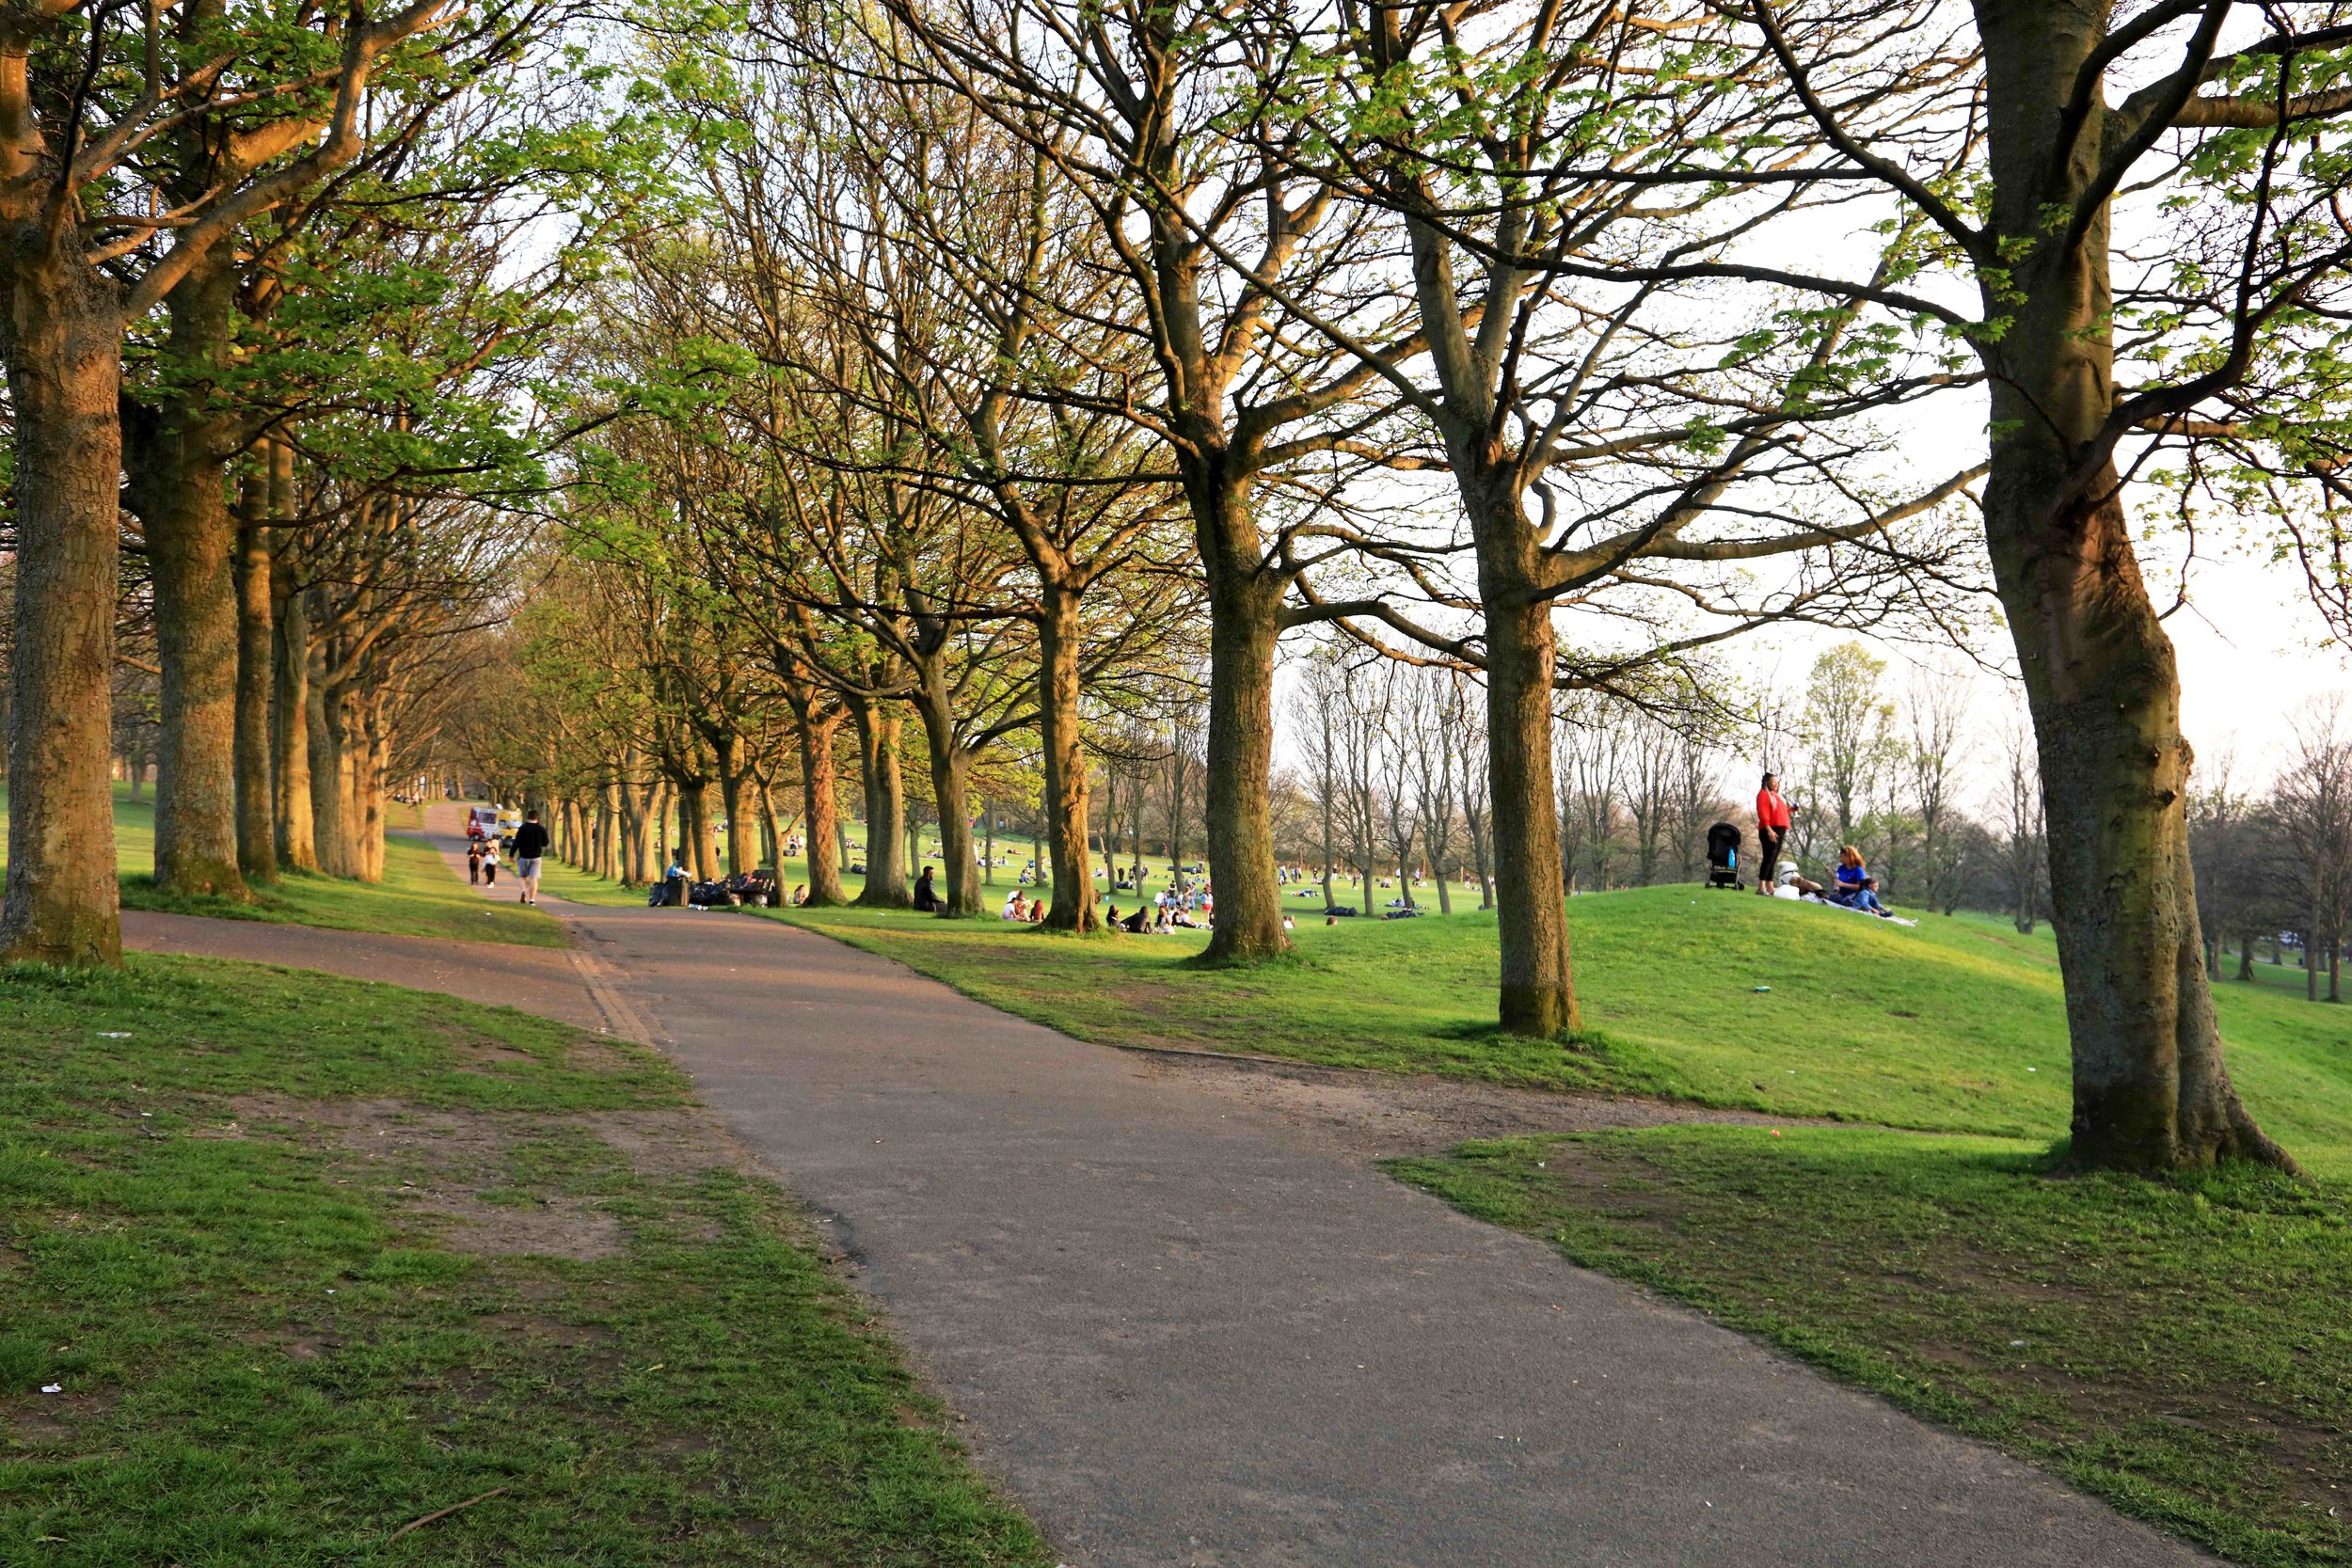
[(482, 822)]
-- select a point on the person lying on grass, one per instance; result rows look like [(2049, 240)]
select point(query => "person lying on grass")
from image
[(1793, 883)]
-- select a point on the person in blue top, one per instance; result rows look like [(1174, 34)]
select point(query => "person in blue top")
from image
[(1856, 887)]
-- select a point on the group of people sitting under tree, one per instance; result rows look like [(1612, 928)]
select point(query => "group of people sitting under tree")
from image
[(1851, 884)]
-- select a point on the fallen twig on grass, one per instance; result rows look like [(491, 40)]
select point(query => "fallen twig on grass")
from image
[(442, 1513)]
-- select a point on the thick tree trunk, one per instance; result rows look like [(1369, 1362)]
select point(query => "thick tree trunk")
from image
[(256, 791), (2151, 1090), (731, 803), (62, 340), (821, 802), (289, 729), (697, 833), (637, 817), (179, 489), (331, 831), (951, 786), (372, 769), (1536, 995), (771, 832), (879, 737), (1062, 764), (1244, 621)]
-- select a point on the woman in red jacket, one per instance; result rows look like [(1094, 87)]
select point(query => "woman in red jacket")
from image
[(1772, 831)]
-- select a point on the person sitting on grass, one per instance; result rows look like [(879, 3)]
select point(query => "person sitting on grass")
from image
[(1793, 883), (800, 894), (927, 899), (1134, 923), (1013, 909), (1857, 888), (1037, 912)]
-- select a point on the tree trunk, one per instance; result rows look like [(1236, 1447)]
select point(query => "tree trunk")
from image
[(2151, 1090), (1062, 765), (257, 848), (637, 868), (731, 803), (62, 340), (988, 846), (770, 832), (329, 795), (1109, 837), (372, 767), (878, 728), (179, 489), (1536, 996), (289, 729), (951, 785), (696, 828), (1244, 621), (821, 802), (2246, 957)]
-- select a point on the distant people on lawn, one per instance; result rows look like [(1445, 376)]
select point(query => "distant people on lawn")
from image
[(531, 843), (473, 862), (1772, 831)]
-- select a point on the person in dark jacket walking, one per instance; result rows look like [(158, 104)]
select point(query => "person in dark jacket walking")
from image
[(531, 842)]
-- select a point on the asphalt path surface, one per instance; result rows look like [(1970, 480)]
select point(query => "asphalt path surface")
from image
[(1185, 1332)]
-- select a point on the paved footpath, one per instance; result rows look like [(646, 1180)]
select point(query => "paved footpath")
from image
[(1188, 1333)]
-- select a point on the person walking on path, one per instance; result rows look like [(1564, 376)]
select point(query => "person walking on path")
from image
[(531, 843), (490, 864), (1772, 831), (473, 862)]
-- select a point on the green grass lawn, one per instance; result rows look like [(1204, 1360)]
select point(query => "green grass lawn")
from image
[(417, 897), (2182, 1345), (307, 1261)]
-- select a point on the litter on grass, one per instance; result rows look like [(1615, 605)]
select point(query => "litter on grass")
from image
[(114, 1034), (52, 1388)]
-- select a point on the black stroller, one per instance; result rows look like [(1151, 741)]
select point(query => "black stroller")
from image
[(1723, 857)]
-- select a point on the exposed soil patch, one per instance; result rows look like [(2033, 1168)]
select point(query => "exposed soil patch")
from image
[(451, 1169), (668, 1143), (1379, 1115)]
